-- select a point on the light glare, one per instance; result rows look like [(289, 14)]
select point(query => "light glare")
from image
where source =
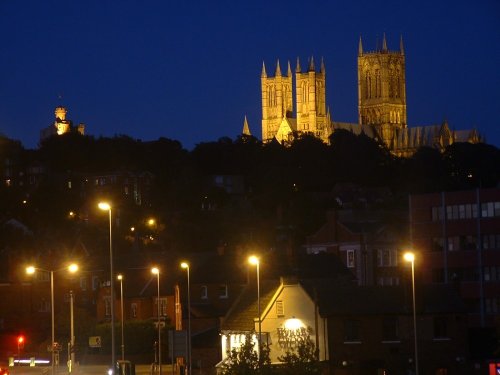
[(104, 206), (73, 268), (253, 260), (409, 257)]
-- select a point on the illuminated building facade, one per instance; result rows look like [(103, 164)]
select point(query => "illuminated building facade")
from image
[(288, 314), (61, 125), (381, 105), (458, 236)]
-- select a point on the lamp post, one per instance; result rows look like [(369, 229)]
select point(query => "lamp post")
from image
[(156, 271), (107, 207), (255, 261), (31, 270), (120, 278), (72, 334), (410, 257), (185, 265)]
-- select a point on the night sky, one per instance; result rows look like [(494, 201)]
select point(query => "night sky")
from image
[(190, 70)]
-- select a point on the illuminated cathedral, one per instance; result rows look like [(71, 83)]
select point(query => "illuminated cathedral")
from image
[(288, 111)]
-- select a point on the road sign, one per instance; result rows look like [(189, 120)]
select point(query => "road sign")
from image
[(177, 340), (95, 341), (57, 347)]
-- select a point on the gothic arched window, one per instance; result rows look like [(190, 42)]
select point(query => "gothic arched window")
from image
[(398, 84), (378, 85), (304, 94), (368, 86), (391, 83)]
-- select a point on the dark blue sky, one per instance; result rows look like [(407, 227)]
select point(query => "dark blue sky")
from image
[(190, 70)]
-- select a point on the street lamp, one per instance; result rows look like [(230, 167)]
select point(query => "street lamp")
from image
[(120, 278), (185, 266), (255, 261), (31, 270), (410, 257), (72, 334), (156, 271), (107, 207)]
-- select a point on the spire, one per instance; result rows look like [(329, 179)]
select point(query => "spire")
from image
[(289, 72), (298, 69), (263, 74), (311, 64), (401, 47), (246, 128), (322, 68), (384, 44), (278, 69), (360, 47)]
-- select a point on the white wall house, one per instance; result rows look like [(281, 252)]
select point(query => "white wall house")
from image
[(288, 313)]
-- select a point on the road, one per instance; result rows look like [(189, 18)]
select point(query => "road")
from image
[(82, 370)]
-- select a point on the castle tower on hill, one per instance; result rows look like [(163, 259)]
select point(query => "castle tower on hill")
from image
[(381, 105), (382, 90), (61, 125)]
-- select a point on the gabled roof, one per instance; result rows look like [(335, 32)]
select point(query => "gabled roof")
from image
[(361, 227), (287, 126), (245, 309)]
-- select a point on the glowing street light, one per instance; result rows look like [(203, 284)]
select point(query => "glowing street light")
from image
[(410, 257), (255, 261), (30, 270), (185, 266), (120, 278), (156, 271), (105, 206)]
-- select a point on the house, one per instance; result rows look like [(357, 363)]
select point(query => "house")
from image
[(368, 242)]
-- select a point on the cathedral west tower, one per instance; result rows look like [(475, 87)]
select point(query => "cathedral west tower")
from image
[(310, 92), (382, 90), (277, 100)]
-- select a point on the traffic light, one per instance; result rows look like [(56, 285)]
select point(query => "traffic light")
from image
[(20, 341)]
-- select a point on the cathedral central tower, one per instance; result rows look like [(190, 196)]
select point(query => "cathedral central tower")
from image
[(382, 90)]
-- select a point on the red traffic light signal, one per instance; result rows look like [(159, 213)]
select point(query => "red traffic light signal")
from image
[(20, 341)]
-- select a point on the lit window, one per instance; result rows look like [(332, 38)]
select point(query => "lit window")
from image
[(95, 282), (350, 259), (280, 311), (107, 306), (163, 306), (83, 283), (204, 292), (223, 291)]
